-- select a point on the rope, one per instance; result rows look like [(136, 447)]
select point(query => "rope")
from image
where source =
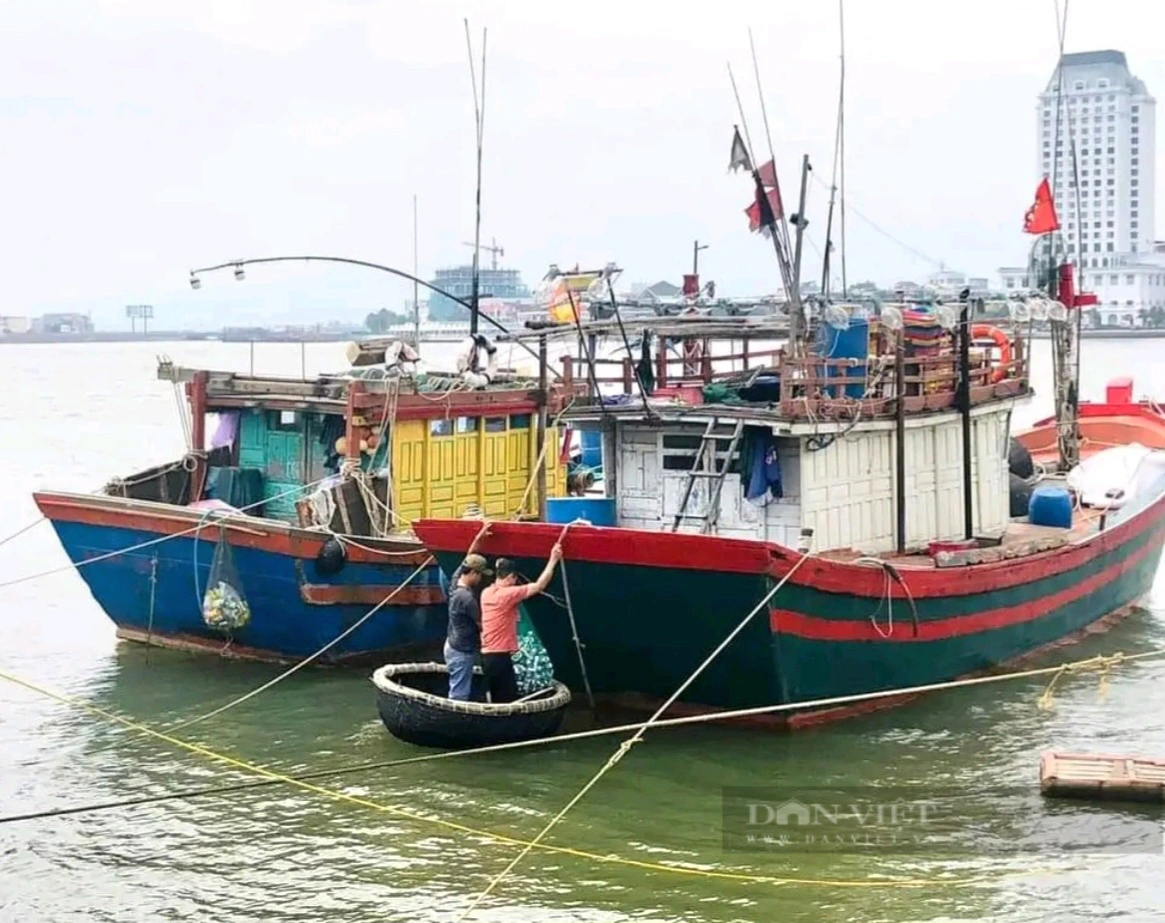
[(271, 777), (19, 532), (1102, 663), (220, 520), (310, 657), (625, 746), (578, 645)]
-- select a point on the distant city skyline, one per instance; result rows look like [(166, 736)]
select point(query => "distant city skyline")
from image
[(142, 139)]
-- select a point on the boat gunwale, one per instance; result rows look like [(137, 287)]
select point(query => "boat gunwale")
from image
[(382, 679), (274, 535), (691, 551)]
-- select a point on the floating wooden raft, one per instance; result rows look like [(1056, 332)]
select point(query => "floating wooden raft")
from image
[(1100, 776)]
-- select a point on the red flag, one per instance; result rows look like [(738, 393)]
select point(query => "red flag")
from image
[(768, 175), (754, 210), (1041, 217)]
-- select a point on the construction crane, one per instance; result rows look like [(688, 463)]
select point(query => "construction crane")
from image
[(495, 250)]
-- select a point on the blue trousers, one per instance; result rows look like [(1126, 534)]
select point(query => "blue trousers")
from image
[(460, 666)]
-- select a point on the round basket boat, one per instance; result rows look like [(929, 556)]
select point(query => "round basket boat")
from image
[(411, 698)]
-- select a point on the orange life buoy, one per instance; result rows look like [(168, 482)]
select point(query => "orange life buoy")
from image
[(1002, 343)]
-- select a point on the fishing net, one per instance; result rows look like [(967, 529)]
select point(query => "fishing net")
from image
[(533, 668), (223, 605)]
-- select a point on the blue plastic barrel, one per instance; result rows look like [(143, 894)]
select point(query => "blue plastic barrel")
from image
[(591, 441), (1050, 506), (851, 343), (598, 511)]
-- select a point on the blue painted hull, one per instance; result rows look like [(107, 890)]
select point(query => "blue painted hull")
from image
[(162, 601)]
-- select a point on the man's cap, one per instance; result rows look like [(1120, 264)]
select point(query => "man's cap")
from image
[(505, 567), (478, 564)]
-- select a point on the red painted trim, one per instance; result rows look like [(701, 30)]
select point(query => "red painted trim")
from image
[(263, 534), (797, 624), (323, 594), (807, 719), (683, 551), (234, 651), (801, 720), (601, 545)]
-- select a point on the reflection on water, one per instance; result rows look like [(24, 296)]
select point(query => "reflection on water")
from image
[(284, 854)]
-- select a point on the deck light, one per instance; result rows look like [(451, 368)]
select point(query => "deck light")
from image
[(195, 282), (239, 274)]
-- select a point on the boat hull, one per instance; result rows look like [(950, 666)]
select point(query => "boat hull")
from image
[(153, 593), (650, 607)]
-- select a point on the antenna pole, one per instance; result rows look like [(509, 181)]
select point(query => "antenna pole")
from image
[(841, 141), (416, 287), (796, 310), (479, 122)]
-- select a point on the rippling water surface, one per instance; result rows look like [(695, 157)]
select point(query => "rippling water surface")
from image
[(73, 416)]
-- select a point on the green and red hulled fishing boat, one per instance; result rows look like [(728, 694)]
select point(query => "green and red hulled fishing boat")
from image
[(884, 454)]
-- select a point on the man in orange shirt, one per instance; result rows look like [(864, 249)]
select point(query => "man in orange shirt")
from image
[(499, 623)]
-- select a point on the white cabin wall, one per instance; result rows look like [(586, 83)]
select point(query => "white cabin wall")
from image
[(934, 478), (649, 495), (848, 492), (989, 473), (638, 502)]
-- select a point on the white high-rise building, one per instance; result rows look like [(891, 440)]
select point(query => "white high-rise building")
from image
[(1107, 218), (1110, 116)]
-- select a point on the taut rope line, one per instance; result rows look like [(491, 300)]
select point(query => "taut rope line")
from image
[(626, 745)]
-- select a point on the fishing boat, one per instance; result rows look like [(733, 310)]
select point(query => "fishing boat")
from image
[(1118, 420), (799, 510), (413, 702), (918, 573), (292, 478)]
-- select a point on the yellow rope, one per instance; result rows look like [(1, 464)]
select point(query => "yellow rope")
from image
[(503, 839), (1101, 662), (626, 745)]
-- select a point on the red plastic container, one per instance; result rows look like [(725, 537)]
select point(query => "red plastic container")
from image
[(963, 544)]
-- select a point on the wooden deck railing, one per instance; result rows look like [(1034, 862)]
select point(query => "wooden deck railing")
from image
[(813, 384)]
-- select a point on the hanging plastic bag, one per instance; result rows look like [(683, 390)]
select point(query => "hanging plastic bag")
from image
[(223, 605), (533, 668)]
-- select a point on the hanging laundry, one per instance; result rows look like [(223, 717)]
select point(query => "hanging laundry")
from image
[(760, 466)]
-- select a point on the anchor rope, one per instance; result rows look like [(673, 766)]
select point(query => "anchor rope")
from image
[(625, 747), (19, 532), (310, 658), (272, 777)]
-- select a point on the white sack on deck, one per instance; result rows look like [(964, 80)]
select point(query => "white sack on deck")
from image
[(1095, 480)]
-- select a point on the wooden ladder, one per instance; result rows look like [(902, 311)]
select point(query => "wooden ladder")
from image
[(704, 466)]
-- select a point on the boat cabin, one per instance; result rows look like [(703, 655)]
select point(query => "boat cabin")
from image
[(362, 452), (862, 443)]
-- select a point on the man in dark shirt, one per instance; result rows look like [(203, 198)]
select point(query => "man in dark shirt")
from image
[(463, 641)]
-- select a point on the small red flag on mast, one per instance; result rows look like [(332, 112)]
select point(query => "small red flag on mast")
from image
[(1041, 217)]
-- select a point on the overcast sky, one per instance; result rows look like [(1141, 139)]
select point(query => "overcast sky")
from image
[(140, 138)]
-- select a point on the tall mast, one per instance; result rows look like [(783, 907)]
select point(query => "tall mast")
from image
[(416, 286), (479, 122), (838, 155)]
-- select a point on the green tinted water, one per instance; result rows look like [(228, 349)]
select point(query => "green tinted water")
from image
[(281, 854)]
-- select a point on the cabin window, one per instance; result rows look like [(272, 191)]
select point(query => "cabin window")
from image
[(495, 424), (680, 451), (440, 427), (283, 420), (520, 421), (467, 424)]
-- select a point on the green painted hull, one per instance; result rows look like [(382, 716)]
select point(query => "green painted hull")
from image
[(650, 609)]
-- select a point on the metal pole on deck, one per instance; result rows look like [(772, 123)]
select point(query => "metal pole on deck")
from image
[(540, 474), (252, 358), (965, 408), (900, 439)]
